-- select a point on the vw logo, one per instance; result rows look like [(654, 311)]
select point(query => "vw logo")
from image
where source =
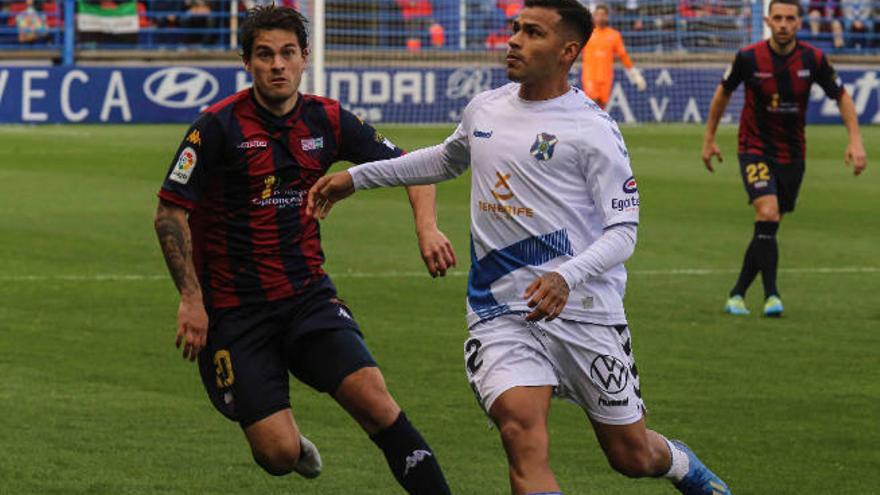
[(181, 87), (610, 373), (467, 83)]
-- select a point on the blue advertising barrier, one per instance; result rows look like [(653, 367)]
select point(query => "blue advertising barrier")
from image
[(394, 95)]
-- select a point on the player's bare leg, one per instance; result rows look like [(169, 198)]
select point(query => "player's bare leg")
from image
[(366, 398), (633, 450), (762, 256), (521, 416), (276, 445), (767, 208)]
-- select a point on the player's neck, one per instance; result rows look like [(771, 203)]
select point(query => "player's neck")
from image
[(276, 108), (780, 49), (544, 90)]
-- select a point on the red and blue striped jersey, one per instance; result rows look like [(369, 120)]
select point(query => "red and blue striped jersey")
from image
[(777, 93), (244, 174)]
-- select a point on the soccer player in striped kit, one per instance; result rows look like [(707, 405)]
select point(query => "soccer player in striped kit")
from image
[(255, 302), (778, 74)]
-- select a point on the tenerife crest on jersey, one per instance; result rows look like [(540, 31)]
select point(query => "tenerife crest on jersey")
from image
[(543, 147)]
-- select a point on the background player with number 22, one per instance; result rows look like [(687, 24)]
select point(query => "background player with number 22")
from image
[(554, 214), (778, 74)]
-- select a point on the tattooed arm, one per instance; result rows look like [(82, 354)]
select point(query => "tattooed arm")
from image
[(172, 228)]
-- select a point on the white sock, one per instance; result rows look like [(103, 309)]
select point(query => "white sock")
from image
[(680, 463)]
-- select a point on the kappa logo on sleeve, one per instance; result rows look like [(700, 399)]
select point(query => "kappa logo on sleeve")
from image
[(186, 163), (381, 139), (194, 138)]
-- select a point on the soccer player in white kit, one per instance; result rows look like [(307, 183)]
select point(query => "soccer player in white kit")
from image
[(554, 214)]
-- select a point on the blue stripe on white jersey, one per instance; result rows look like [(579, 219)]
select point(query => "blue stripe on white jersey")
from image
[(531, 251)]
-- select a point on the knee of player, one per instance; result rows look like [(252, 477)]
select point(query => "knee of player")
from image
[(633, 463), (279, 460), (767, 214), (526, 439)]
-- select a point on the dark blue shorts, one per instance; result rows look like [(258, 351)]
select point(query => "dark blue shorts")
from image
[(251, 349), (762, 176)]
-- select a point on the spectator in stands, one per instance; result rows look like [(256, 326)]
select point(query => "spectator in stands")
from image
[(824, 16), (418, 22), (30, 22), (198, 16), (510, 7), (631, 13), (497, 40), (174, 15), (861, 16)]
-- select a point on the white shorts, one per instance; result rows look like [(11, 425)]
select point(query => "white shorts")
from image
[(590, 365)]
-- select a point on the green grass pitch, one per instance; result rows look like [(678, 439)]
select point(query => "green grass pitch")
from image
[(94, 399)]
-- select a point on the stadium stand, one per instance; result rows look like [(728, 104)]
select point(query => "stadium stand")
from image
[(838, 26)]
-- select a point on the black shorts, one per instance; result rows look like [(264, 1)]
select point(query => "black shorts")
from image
[(762, 176), (251, 349)]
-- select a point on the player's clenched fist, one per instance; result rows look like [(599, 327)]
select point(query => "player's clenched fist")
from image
[(192, 328), (328, 190), (547, 296)]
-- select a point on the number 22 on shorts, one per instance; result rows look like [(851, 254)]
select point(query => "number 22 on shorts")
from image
[(756, 172)]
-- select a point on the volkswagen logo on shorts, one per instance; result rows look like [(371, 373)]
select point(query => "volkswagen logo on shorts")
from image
[(609, 373), (181, 87)]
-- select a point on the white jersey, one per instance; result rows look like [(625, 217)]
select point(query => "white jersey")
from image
[(548, 178)]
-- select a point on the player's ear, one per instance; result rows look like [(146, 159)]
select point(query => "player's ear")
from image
[(570, 51)]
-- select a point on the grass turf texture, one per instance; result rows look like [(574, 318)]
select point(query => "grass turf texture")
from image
[(95, 399)]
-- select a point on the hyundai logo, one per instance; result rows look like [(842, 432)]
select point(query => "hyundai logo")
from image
[(181, 87), (467, 83)]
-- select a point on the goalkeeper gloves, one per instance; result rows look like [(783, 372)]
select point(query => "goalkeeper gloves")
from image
[(635, 77)]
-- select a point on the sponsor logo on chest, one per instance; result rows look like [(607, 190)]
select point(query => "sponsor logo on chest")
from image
[(312, 144), (253, 144)]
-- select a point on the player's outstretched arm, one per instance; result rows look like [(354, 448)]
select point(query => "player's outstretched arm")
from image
[(328, 190), (175, 238), (855, 151), (436, 250), (716, 110)]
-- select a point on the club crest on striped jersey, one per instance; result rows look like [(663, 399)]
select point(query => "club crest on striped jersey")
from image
[(630, 186), (543, 147)]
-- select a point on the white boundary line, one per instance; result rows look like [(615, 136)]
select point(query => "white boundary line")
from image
[(110, 277)]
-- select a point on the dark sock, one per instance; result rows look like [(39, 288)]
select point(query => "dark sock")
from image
[(411, 459), (762, 256), (767, 255), (749, 268)]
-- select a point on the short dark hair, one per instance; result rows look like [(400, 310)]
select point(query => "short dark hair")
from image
[(796, 3), (268, 17), (574, 16), (602, 6)]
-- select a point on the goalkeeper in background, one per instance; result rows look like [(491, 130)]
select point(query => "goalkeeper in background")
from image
[(597, 72)]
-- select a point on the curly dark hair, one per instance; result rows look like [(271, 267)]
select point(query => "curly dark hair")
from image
[(268, 17)]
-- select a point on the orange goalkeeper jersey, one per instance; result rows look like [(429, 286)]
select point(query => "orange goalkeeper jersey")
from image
[(598, 58)]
